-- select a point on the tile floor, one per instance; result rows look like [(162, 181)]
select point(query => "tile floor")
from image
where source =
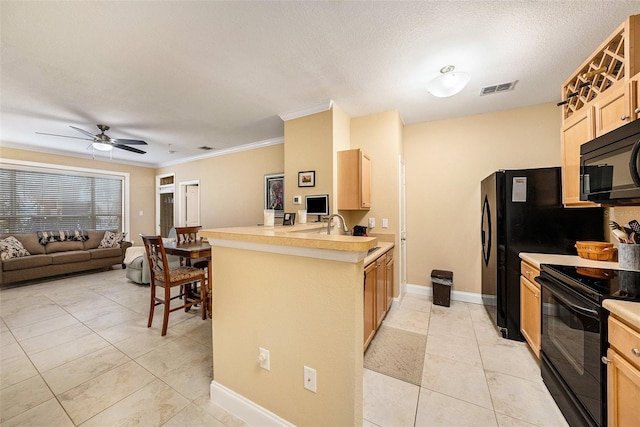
[(76, 351)]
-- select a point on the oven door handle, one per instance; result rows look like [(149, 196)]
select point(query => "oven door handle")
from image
[(633, 164), (569, 300)]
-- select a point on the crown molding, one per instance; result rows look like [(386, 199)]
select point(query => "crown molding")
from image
[(307, 111), (223, 152)]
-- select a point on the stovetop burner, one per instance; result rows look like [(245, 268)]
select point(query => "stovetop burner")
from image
[(599, 283)]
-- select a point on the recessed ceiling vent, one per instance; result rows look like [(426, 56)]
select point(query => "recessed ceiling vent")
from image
[(502, 87), (205, 148)]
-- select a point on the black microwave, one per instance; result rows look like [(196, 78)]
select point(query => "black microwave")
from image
[(610, 167)]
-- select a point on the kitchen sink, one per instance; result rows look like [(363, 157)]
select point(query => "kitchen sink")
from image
[(372, 250)]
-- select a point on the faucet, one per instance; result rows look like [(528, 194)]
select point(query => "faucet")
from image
[(330, 222)]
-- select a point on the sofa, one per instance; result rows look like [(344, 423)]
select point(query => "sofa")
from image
[(138, 265), (59, 256)]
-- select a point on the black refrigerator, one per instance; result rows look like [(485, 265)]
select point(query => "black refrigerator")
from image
[(522, 211)]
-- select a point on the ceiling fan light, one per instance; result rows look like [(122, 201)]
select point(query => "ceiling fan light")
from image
[(448, 83), (102, 146)]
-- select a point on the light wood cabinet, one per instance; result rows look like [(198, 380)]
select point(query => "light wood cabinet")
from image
[(623, 375), (381, 286), (369, 304), (599, 97), (530, 308), (378, 293), (389, 279), (613, 108), (634, 95), (354, 180), (578, 130)]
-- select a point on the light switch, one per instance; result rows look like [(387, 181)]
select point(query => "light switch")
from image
[(385, 222)]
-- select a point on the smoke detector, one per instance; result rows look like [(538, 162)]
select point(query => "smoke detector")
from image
[(502, 87)]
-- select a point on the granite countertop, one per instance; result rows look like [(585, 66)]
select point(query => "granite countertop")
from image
[(628, 311)]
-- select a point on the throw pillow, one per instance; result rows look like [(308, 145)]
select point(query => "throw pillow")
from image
[(12, 248), (62, 235), (111, 239)]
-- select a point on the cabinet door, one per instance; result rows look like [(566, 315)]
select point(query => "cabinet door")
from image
[(389, 281), (381, 303), (530, 313), (365, 181), (623, 391), (612, 108), (369, 303), (577, 131)]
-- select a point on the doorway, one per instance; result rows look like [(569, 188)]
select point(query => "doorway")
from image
[(165, 204), (189, 204)]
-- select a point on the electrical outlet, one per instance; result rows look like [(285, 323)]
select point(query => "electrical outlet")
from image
[(385, 222), (263, 359), (297, 200), (310, 379), (372, 222)]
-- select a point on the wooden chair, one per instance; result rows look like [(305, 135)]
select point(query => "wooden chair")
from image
[(190, 234), (164, 277)]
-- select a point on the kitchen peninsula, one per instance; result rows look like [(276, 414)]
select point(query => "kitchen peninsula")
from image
[(297, 293)]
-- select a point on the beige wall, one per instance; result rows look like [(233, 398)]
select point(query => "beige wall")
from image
[(232, 185), (141, 184), (264, 306), (308, 145), (380, 136), (445, 162)]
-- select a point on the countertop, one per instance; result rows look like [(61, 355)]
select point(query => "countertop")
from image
[(302, 236), (384, 247), (628, 311), (536, 260)]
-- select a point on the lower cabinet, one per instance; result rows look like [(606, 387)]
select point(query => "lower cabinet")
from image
[(378, 294), (623, 375), (369, 303), (530, 307)]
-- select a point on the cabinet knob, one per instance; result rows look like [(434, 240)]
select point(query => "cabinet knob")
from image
[(635, 352), (623, 118), (536, 295), (605, 360)]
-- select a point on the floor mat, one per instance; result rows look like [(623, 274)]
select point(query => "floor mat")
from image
[(397, 353)]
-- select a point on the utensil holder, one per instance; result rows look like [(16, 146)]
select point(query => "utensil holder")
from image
[(629, 256)]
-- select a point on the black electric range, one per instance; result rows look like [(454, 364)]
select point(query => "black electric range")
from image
[(574, 336)]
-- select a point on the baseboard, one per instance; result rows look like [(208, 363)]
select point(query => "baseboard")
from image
[(243, 408), (455, 295)]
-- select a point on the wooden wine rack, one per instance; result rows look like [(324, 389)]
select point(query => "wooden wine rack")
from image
[(613, 61)]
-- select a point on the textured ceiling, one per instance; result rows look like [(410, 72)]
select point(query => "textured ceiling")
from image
[(182, 74)]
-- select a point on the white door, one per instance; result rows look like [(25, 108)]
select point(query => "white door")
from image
[(192, 205), (403, 230)]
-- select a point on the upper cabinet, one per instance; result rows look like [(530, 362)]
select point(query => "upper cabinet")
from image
[(600, 96), (354, 180)]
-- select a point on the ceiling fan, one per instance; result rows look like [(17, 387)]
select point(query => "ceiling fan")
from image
[(104, 142)]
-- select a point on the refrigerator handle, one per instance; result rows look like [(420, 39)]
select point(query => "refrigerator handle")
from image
[(486, 243)]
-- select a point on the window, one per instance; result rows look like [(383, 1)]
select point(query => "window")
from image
[(40, 198)]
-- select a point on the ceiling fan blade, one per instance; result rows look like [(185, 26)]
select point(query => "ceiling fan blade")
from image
[(129, 141), (83, 131), (64, 136), (126, 147)]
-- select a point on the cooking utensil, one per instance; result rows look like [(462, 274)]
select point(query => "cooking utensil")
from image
[(620, 235), (635, 226), (614, 225)]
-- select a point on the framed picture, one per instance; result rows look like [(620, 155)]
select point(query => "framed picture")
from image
[(307, 179), (289, 219), (274, 193)]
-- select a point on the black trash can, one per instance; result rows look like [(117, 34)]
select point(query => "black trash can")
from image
[(442, 281)]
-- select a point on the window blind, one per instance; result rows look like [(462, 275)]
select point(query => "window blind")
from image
[(37, 200)]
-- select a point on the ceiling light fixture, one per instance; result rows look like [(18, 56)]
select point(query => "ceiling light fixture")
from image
[(102, 146), (448, 83)]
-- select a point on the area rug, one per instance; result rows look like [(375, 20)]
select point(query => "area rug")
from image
[(397, 353)]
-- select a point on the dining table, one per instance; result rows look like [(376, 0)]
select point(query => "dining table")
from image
[(194, 250)]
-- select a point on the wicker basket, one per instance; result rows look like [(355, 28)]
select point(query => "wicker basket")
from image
[(599, 251)]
